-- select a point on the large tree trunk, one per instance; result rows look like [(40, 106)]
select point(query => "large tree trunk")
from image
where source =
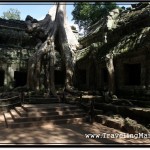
[(68, 45), (34, 63), (54, 24), (110, 68)]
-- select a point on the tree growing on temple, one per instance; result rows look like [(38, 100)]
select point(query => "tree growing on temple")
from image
[(87, 13), (53, 34)]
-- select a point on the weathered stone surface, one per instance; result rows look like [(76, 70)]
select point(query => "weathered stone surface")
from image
[(112, 19), (126, 34), (128, 38), (113, 122), (141, 112), (101, 119), (133, 127), (98, 112), (122, 103), (13, 33), (13, 23), (133, 112), (117, 122), (8, 94)]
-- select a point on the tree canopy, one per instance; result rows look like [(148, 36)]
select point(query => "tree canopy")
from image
[(11, 14), (88, 13)]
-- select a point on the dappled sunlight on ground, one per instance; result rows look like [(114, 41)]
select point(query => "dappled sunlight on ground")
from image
[(42, 135), (61, 134)]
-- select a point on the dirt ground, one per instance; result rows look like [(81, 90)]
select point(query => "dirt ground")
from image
[(64, 134)]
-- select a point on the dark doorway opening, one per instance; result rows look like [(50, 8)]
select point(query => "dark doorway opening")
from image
[(132, 74), (59, 77), (92, 77), (82, 76), (105, 76), (2, 77), (20, 78)]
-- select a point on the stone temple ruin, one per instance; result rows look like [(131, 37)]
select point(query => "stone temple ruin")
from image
[(15, 47), (125, 36)]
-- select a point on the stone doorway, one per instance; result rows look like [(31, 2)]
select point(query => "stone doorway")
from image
[(2, 77), (82, 77), (20, 78), (59, 77), (104, 77), (92, 77), (132, 74)]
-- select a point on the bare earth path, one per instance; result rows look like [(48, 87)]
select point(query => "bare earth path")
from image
[(63, 134)]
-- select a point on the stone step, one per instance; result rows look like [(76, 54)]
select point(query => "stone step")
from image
[(37, 114), (2, 121), (47, 113), (2, 126), (42, 101), (39, 123), (18, 118), (14, 114), (37, 100), (98, 111), (49, 106), (42, 98), (21, 111), (14, 120), (8, 118), (30, 108)]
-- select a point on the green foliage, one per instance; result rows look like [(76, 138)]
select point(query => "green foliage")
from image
[(11, 14), (88, 13)]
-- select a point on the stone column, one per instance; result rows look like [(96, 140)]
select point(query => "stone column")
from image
[(10, 75)]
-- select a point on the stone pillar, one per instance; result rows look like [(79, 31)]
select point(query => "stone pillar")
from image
[(10, 75)]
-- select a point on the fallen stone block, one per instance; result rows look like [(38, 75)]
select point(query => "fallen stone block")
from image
[(115, 123), (131, 126)]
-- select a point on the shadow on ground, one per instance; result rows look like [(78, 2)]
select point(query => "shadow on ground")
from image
[(62, 134)]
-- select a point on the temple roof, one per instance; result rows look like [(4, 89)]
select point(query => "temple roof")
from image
[(127, 32), (13, 34)]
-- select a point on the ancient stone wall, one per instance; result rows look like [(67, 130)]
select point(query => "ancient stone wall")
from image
[(16, 46), (130, 74), (12, 60), (128, 40), (13, 23)]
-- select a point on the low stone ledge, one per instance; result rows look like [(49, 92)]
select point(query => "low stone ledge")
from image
[(98, 112), (116, 123), (127, 111), (127, 125), (131, 126), (101, 119)]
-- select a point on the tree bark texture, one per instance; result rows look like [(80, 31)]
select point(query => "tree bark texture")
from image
[(53, 31)]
